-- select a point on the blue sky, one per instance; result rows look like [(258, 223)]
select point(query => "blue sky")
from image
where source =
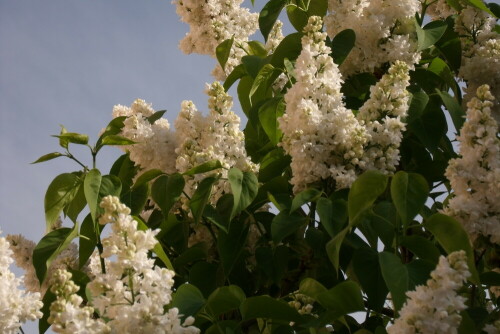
[(69, 62)]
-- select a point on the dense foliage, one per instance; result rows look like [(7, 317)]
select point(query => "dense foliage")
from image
[(361, 197)]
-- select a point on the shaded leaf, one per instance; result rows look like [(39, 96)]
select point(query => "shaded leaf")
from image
[(61, 191), (430, 34), (342, 45), (51, 245), (452, 236)]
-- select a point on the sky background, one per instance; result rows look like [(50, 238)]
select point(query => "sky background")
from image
[(69, 62)]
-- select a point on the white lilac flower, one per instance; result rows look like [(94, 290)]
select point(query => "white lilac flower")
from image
[(439, 10), (214, 137), (384, 30), (155, 148), (475, 175), (133, 293), (321, 135), (67, 315), (382, 115), (16, 306), (435, 308), (481, 53), (275, 37), (213, 21), (23, 256)]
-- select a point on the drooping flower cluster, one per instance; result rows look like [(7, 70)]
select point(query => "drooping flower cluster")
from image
[(214, 137), (155, 143), (382, 115), (22, 249), (131, 295), (322, 136), (475, 175), (133, 292), (213, 21), (384, 32), (435, 308), (481, 53), (16, 306)]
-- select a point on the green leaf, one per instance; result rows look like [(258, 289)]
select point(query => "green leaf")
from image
[(204, 167), (224, 299), (268, 16), (312, 288), (342, 45), (495, 9), (430, 34), (364, 191), (269, 113), (257, 49), (332, 215), (73, 209), (237, 73), (421, 247), (252, 65), (167, 190), (298, 16), (491, 278), (273, 164), (156, 116), (344, 298), (117, 140), (290, 48), (396, 277), (125, 169), (51, 245), (223, 50), (74, 138), (268, 308), (419, 100), (48, 157), (61, 191), (409, 192), (114, 127), (305, 196), (157, 249), (136, 198), (87, 240), (479, 4), (419, 271), (273, 262), (200, 197), (333, 247), (451, 235), (92, 186), (147, 176), (188, 299), (244, 186), (366, 266), (285, 224), (230, 245), (262, 79), (454, 108)]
